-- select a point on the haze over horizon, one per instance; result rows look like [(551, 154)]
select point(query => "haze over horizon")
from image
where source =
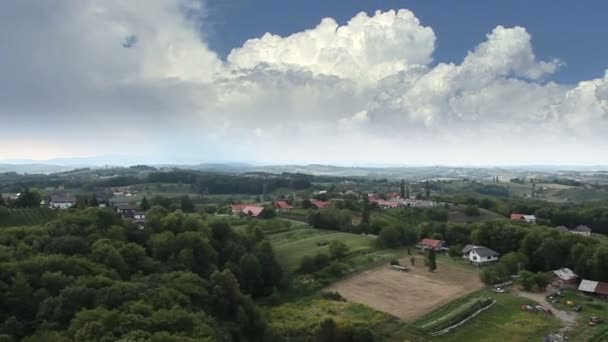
[(187, 82)]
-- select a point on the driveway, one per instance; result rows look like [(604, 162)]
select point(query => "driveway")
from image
[(567, 317)]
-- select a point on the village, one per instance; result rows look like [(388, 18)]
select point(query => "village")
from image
[(440, 265)]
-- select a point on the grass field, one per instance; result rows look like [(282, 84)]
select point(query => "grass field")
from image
[(25, 216), (299, 320), (291, 246), (504, 321)]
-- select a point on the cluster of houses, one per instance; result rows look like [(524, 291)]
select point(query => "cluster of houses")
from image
[(566, 277), (579, 230), (122, 191), (395, 201)]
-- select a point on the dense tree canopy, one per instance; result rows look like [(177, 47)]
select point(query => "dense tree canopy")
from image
[(88, 276)]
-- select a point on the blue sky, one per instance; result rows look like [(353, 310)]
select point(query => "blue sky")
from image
[(575, 32), (399, 82)]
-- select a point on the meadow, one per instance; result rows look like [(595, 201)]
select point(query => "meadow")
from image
[(291, 246)]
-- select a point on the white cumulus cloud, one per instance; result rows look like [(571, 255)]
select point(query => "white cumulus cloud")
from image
[(96, 76)]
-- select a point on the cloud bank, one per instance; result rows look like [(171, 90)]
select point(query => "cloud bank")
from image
[(84, 77)]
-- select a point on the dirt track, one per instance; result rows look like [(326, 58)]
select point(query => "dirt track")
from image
[(408, 295)]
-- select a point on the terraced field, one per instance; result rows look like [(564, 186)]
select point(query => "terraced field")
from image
[(25, 216)]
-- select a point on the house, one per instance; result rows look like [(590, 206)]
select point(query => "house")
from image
[(385, 204), (565, 276), (582, 230), (62, 201), (282, 205), (252, 210), (594, 287), (479, 254), (562, 229), (525, 218), (139, 215), (320, 204), (126, 210), (433, 244), (247, 209)]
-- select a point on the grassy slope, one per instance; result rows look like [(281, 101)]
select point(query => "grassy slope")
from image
[(303, 317), (290, 247)]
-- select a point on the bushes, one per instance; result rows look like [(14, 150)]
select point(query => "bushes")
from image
[(389, 237), (310, 264), (455, 251), (534, 281)]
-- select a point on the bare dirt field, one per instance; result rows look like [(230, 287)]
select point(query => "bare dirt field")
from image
[(409, 295)]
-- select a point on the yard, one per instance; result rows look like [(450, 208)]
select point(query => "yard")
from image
[(409, 295), (582, 331)]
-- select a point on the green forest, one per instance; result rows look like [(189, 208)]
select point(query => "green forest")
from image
[(89, 276)]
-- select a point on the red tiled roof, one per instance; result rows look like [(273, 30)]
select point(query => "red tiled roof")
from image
[(282, 205), (252, 210), (393, 195), (517, 216), (247, 209), (237, 207), (386, 203), (320, 204), (601, 288), (431, 243)]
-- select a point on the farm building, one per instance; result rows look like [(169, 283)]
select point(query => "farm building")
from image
[(282, 205), (565, 276), (320, 204), (594, 287), (62, 201), (433, 244), (479, 254), (525, 218)]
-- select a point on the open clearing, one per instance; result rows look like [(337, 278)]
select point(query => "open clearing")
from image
[(409, 295)]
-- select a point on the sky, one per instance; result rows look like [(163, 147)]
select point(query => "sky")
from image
[(334, 82)]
